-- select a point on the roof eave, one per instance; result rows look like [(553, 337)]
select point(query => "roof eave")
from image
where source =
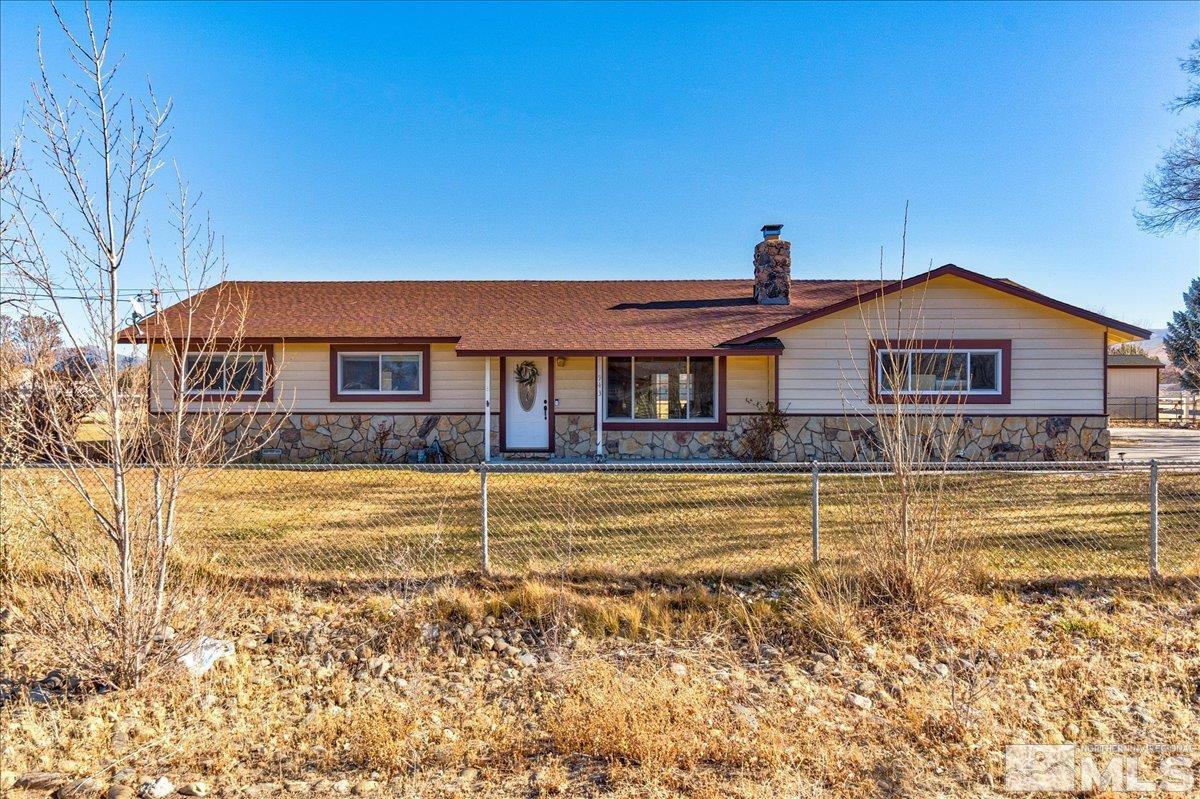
[(621, 352)]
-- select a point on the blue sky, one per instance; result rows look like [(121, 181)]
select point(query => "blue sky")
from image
[(631, 141)]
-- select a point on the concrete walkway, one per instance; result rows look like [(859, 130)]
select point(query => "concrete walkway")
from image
[(1163, 443)]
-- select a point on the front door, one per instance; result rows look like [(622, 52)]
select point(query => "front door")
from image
[(527, 411)]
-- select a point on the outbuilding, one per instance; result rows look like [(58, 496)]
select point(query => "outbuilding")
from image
[(1132, 387)]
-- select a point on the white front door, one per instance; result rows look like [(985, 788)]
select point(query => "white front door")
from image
[(527, 402)]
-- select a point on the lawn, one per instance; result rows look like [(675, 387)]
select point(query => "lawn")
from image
[(367, 523)]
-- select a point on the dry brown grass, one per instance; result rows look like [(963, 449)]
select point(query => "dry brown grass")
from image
[(827, 609), (370, 524), (646, 716), (755, 707)]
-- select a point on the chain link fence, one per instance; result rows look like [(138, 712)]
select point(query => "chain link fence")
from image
[(354, 523)]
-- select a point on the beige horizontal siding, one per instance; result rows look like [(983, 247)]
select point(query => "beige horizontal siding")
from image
[(302, 385), (575, 386), (1057, 359), (1133, 382), (747, 382)]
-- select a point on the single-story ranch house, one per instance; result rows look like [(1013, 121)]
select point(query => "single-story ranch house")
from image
[(655, 369)]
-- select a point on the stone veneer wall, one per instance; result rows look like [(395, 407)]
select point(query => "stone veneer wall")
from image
[(981, 438), (366, 438), (358, 438), (842, 439)]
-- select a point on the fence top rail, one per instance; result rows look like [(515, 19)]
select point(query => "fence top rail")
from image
[(690, 467)]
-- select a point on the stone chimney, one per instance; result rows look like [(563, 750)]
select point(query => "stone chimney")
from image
[(772, 268)]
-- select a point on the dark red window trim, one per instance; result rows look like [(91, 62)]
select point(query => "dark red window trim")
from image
[(197, 396), (335, 395), (1002, 344), (683, 425), (549, 405)]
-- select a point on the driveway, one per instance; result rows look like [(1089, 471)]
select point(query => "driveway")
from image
[(1144, 443)]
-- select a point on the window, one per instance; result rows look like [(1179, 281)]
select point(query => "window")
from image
[(223, 373), (660, 389), (379, 372), (933, 371)]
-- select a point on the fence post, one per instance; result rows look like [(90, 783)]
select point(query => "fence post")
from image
[(485, 560), (1153, 519), (816, 512)]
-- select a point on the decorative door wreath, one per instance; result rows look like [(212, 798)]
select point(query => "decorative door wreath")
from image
[(526, 374)]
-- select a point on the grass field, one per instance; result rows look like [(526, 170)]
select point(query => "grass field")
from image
[(572, 685), (366, 523)]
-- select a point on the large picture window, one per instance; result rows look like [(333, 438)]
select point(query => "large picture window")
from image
[(225, 373), (660, 389), (940, 371)]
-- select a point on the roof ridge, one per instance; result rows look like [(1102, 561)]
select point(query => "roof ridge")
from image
[(556, 280)]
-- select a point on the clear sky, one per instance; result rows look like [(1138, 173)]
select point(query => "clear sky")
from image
[(383, 141)]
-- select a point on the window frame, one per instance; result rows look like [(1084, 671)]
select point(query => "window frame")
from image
[(267, 353), (882, 348), (712, 423), (337, 394)]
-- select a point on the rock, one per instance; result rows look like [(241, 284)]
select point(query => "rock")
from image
[(296, 786), (941, 670), (204, 653), (341, 786), (158, 789), (859, 701), (120, 792), (913, 663), (7, 778), (527, 660), (679, 670), (487, 642), (366, 787), (40, 780)]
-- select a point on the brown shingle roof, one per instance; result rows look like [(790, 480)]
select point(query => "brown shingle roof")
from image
[(492, 315), (583, 316)]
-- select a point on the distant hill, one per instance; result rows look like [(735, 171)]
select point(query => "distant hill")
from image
[(1154, 345)]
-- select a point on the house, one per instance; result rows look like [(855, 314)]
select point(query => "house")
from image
[(652, 369), (1132, 386)]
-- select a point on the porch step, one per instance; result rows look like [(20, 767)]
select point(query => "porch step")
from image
[(536, 457)]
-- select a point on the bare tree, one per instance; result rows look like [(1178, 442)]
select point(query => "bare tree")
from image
[(115, 583), (1128, 348), (1172, 191), (915, 551)]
